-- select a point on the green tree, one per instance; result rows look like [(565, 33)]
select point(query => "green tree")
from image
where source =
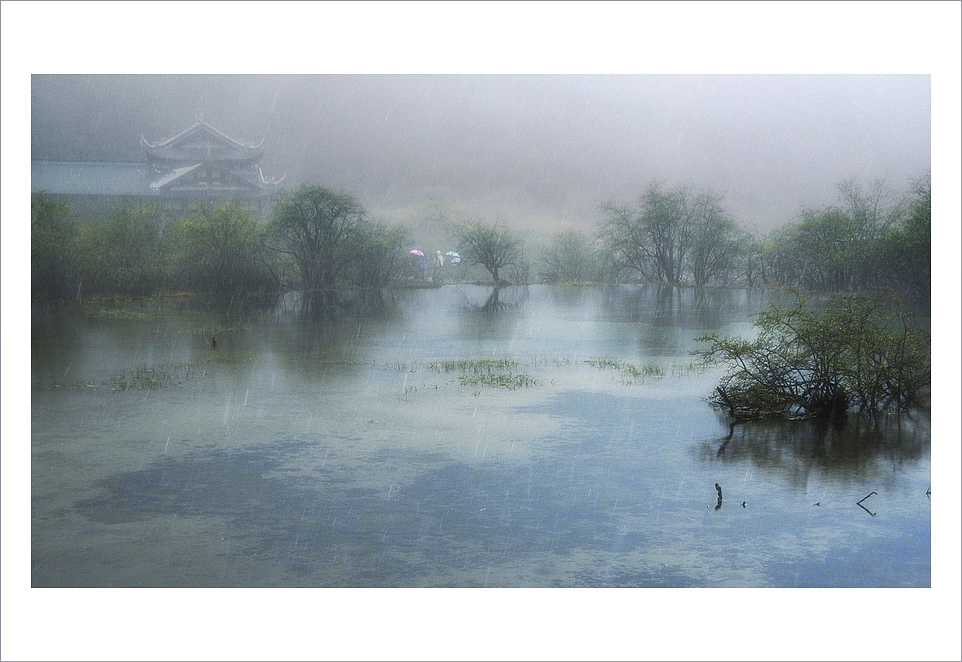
[(126, 254), (841, 247), (317, 228), (907, 249), (829, 248), (715, 244), (379, 255), (221, 252), (492, 246), (653, 239), (53, 232), (862, 354)]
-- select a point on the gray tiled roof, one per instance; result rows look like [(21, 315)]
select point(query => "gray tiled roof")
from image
[(80, 178), (124, 179)]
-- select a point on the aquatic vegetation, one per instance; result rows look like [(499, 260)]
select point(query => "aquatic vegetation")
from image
[(603, 362), (476, 366), (630, 373), (644, 371), (500, 380), (690, 368), (153, 377), (112, 310), (53, 384), (497, 373)]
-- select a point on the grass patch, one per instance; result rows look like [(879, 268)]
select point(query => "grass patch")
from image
[(153, 377), (644, 371), (475, 366), (630, 373), (497, 373), (500, 380), (603, 363)]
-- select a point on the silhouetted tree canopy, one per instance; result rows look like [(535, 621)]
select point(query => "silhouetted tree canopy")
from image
[(316, 228)]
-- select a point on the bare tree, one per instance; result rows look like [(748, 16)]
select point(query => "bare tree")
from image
[(715, 242), (672, 235), (571, 256), (494, 247)]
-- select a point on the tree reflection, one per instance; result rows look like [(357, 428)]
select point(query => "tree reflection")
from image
[(663, 318), (841, 447), (326, 306), (492, 317), (494, 301)]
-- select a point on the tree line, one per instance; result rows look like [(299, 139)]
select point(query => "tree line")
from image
[(317, 241), (872, 239), (320, 242)]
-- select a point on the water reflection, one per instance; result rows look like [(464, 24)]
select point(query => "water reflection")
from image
[(495, 317), (661, 320), (323, 451), (846, 449)]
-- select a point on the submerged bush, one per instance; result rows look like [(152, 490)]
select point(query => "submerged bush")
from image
[(858, 354)]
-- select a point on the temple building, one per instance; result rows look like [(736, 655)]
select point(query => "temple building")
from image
[(198, 166)]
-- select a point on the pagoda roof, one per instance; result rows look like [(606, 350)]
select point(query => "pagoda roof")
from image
[(201, 142), (176, 180)]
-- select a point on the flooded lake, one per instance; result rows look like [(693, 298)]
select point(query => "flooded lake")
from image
[(556, 437)]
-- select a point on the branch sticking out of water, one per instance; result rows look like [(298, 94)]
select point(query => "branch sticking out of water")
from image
[(859, 503)]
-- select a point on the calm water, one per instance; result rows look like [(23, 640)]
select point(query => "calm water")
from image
[(348, 454)]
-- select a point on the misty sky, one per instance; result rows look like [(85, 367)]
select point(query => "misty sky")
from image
[(536, 151)]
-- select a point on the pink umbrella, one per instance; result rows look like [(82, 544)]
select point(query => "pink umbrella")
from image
[(416, 252)]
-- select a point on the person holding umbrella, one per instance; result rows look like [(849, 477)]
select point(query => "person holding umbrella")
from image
[(419, 258)]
